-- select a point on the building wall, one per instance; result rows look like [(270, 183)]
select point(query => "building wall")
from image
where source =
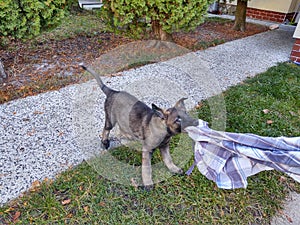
[(274, 16), (295, 54), (275, 10), (297, 31), (281, 6)]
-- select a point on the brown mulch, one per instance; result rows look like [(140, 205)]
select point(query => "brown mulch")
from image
[(34, 67)]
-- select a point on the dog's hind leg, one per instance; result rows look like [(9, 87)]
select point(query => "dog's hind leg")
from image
[(165, 153)]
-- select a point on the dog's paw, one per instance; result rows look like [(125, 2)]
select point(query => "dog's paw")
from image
[(180, 171), (105, 144), (148, 187), (177, 171)]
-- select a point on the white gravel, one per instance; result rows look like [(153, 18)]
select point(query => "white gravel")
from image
[(43, 135), (290, 213)]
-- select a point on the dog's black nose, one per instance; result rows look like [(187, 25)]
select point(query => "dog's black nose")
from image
[(195, 122)]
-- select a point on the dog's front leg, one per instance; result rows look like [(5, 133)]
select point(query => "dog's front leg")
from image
[(165, 153), (105, 140), (146, 169)]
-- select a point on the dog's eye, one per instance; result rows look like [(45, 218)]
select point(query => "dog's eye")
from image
[(178, 120)]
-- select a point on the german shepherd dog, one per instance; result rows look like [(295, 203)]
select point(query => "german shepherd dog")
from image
[(154, 126)]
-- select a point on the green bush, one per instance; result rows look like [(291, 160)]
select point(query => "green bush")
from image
[(159, 15), (27, 18), (72, 6)]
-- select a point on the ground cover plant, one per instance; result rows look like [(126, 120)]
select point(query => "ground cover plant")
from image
[(50, 61), (266, 105)]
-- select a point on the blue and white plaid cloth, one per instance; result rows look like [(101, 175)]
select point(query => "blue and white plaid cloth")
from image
[(229, 158)]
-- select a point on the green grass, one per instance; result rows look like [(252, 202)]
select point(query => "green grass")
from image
[(80, 23), (83, 196), (87, 23), (206, 44), (216, 19), (277, 90)]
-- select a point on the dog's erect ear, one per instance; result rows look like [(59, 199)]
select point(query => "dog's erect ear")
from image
[(158, 111), (180, 104)]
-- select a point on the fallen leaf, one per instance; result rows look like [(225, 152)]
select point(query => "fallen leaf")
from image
[(66, 202), (16, 216), (47, 181), (282, 179), (133, 182), (222, 213), (31, 133), (289, 218), (274, 27), (102, 203), (86, 209), (266, 111), (200, 104), (37, 112), (9, 210), (35, 186)]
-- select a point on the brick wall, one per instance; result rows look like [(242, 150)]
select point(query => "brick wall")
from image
[(268, 15), (295, 54)]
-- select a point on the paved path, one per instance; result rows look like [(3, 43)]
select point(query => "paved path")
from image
[(40, 136)]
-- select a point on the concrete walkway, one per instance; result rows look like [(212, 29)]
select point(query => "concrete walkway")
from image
[(41, 136)]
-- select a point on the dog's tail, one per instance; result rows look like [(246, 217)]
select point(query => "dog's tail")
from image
[(103, 87)]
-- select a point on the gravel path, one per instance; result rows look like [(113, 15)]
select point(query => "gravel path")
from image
[(41, 136)]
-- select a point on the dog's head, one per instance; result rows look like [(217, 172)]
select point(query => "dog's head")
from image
[(176, 118)]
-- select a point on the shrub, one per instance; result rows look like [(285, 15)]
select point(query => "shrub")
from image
[(27, 18), (72, 6), (162, 16)]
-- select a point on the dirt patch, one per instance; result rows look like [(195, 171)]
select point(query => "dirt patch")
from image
[(34, 67), (214, 33)]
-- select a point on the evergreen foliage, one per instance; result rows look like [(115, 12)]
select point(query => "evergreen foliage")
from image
[(135, 16), (27, 18)]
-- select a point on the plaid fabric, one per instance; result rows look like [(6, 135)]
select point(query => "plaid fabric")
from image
[(229, 158)]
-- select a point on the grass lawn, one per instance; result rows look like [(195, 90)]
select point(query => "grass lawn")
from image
[(82, 196)]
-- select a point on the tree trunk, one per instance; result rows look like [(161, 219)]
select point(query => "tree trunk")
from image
[(2, 72), (159, 33), (240, 15)]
